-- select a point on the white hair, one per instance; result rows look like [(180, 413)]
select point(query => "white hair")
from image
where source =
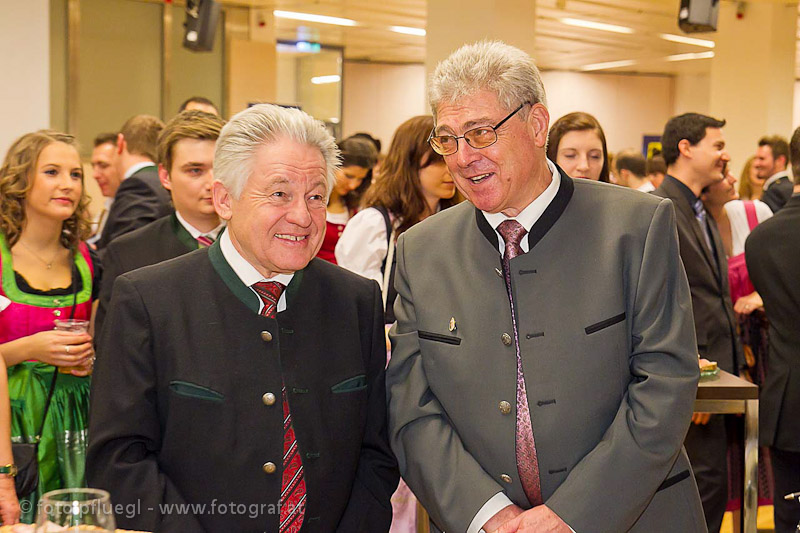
[(263, 124), (507, 71)]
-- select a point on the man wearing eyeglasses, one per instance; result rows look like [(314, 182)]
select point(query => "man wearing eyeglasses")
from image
[(544, 363)]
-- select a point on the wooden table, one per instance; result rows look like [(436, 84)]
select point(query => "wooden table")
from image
[(728, 394)]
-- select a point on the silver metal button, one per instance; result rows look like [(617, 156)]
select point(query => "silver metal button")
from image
[(506, 338), (506, 478), (269, 468), (266, 336), (505, 407), (268, 398)]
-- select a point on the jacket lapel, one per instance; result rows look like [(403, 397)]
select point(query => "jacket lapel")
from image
[(687, 213)]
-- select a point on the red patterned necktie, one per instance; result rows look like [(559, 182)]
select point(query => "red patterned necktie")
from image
[(293, 483), (527, 461), (205, 241)]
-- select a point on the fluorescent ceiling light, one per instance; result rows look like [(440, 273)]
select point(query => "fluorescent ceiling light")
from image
[(408, 31), (687, 40), (609, 64), (308, 17), (687, 57), (596, 25), (319, 80)]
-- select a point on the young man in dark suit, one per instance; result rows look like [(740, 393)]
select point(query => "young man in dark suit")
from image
[(246, 380), (694, 151), (140, 198), (772, 165), (773, 262), (186, 160)]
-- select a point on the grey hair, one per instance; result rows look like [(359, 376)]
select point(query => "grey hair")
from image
[(263, 124), (494, 65)]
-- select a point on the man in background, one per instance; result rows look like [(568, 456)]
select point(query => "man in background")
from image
[(771, 163), (693, 147), (186, 160), (772, 251), (199, 103), (105, 172), (656, 170), (140, 198), (632, 171)]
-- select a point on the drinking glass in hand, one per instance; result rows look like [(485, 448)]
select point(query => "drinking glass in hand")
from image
[(74, 325), (76, 510)]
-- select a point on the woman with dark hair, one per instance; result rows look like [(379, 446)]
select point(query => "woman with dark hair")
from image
[(48, 273), (414, 184), (359, 155), (577, 144)]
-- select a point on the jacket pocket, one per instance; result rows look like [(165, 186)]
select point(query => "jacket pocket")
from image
[(677, 478), (594, 328), (193, 390), (353, 384), (447, 339)]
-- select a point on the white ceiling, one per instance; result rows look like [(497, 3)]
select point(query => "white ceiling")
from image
[(559, 46)]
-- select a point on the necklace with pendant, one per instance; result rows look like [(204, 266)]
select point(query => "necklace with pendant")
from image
[(48, 264)]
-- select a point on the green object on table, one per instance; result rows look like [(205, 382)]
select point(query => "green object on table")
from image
[(707, 375), (62, 449)]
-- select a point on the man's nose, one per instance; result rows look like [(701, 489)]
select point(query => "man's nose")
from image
[(299, 213), (466, 154)]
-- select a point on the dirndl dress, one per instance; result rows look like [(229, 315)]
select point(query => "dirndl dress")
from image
[(62, 447)]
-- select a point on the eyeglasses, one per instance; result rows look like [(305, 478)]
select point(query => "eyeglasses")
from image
[(477, 137)]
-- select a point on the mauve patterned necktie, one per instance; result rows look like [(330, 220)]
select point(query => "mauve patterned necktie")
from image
[(527, 462), (205, 241), (293, 483)]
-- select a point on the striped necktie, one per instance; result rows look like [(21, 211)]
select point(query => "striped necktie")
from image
[(527, 460), (205, 241), (293, 483)]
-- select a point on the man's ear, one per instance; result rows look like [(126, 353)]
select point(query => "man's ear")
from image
[(120, 143), (782, 158), (163, 175), (538, 123), (222, 200), (684, 147)]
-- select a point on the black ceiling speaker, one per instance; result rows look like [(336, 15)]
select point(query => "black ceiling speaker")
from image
[(202, 17), (697, 16)]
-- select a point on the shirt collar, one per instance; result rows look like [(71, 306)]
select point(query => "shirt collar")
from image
[(133, 169), (775, 177), (532, 212), (194, 232), (687, 192), (246, 272)]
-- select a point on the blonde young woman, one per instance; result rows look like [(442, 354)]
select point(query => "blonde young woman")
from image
[(47, 274)]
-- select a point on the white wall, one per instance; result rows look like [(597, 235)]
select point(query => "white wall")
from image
[(25, 91), (692, 94), (378, 97), (627, 106)]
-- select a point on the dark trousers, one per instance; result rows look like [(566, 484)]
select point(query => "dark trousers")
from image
[(707, 448), (786, 474)]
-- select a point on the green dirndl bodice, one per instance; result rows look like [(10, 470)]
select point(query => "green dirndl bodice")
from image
[(62, 449)]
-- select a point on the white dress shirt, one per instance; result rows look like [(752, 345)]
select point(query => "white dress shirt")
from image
[(195, 233), (740, 228), (248, 274), (527, 217), (647, 186)]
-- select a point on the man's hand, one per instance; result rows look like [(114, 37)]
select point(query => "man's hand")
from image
[(540, 519), (504, 515)]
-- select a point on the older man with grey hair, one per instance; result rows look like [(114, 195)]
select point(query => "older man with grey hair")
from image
[(539, 381), (241, 386)]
